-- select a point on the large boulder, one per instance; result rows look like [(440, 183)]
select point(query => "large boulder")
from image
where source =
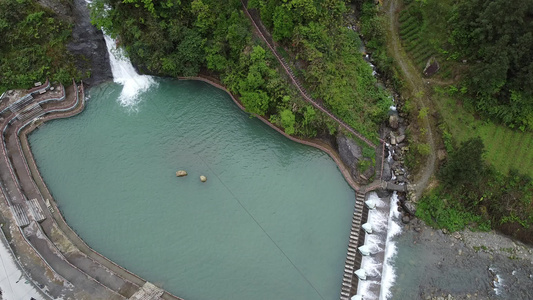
[(383, 193), (441, 154), (352, 155), (181, 173), (394, 121), (400, 138), (349, 151), (409, 207)]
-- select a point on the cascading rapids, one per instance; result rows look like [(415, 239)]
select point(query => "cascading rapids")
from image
[(124, 74)]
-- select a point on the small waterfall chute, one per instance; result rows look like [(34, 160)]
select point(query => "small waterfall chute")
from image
[(124, 73), (367, 227), (370, 204), (361, 274), (365, 250)]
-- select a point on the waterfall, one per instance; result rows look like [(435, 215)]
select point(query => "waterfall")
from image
[(124, 74), (379, 266), (388, 275)]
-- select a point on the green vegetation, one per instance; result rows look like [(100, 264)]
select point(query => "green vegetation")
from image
[(424, 33), (33, 46), (183, 38), (483, 102), (493, 38), (373, 29), (482, 247), (333, 67), (471, 191), (505, 148), (498, 36)]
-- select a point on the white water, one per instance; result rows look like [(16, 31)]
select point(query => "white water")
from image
[(385, 226), (124, 73), (498, 283), (388, 275), (13, 284), (376, 241)]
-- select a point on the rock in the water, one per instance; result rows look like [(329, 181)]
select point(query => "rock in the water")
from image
[(406, 219), (383, 193), (394, 121), (409, 207), (203, 178), (396, 157), (400, 138), (181, 173)]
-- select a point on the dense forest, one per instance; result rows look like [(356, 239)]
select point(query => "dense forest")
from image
[(497, 37), (185, 38), (33, 45), (492, 42)]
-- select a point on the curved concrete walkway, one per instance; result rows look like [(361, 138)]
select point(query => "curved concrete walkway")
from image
[(83, 273)]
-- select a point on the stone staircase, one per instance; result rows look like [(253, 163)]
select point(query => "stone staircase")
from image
[(353, 257)]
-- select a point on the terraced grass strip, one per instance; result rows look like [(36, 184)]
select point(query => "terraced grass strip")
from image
[(490, 142), (408, 31), (504, 146), (526, 165)]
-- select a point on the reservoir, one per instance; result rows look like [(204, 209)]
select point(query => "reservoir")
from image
[(271, 222)]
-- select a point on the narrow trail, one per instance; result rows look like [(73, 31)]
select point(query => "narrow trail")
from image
[(417, 85)]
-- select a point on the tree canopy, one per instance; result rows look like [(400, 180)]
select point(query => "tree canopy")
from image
[(33, 45), (497, 37)]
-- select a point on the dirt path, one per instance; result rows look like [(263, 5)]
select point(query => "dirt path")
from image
[(417, 85)]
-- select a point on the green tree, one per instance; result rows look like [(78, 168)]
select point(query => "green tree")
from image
[(283, 24), (287, 121), (498, 35), (465, 165)]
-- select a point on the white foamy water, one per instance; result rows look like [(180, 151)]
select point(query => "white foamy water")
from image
[(376, 241), (124, 73), (13, 284), (379, 219), (388, 275), (379, 266), (497, 282)]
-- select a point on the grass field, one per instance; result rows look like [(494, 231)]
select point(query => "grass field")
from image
[(505, 148)]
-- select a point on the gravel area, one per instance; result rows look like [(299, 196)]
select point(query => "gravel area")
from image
[(432, 264)]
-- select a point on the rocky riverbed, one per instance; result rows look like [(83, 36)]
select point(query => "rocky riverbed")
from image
[(434, 264)]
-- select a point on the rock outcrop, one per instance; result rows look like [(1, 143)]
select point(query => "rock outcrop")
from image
[(88, 46), (352, 156), (394, 121)]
